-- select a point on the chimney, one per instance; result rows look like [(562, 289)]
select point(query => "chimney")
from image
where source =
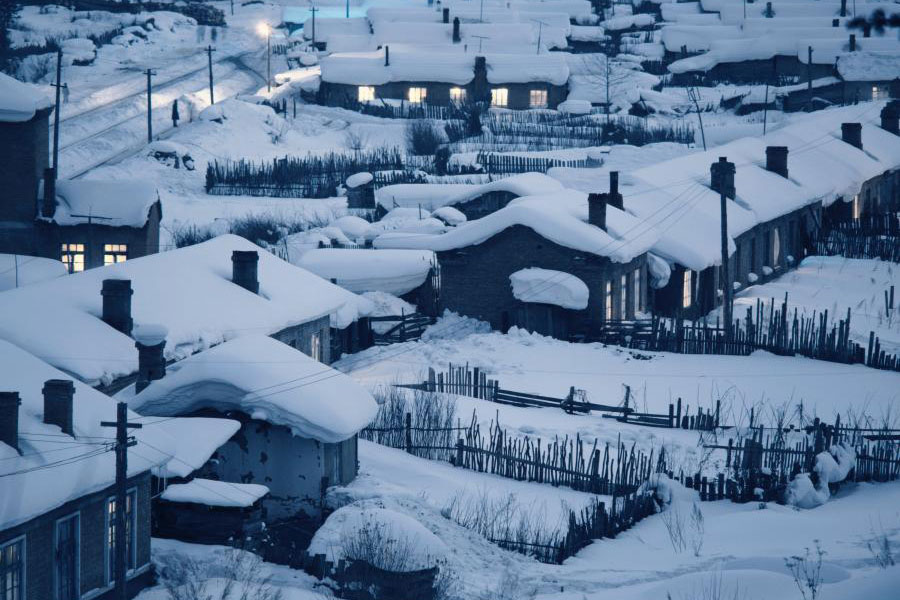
[(9, 418), (597, 210), (117, 304), (456, 37), (835, 22), (843, 8), (387, 56), (851, 133), (446, 15), (890, 117), (852, 42), (776, 160), (721, 177), (244, 265), (150, 341), (58, 407), (615, 198), (48, 206), (769, 13)]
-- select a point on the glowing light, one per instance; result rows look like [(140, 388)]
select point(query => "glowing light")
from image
[(263, 29)]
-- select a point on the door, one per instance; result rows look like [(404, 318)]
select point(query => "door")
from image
[(67, 558)]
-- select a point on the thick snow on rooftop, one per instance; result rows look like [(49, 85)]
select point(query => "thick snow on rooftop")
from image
[(266, 380), (19, 101), (48, 485), (188, 290), (195, 439), (393, 271), (215, 493), (17, 270), (869, 66), (545, 286), (519, 68), (347, 529), (432, 196), (560, 217), (118, 203)]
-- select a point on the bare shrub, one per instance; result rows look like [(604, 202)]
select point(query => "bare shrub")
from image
[(188, 235), (510, 587), (238, 576), (714, 588), (432, 420), (697, 529), (880, 547), (356, 140), (807, 571), (675, 524), (423, 138)]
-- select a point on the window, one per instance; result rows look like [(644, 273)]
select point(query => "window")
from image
[(856, 207), (776, 247), (130, 535), (623, 296), (608, 300), (315, 346), (12, 570), (365, 93), (537, 99), (878, 93), (636, 293), (687, 289), (458, 95), (114, 253), (500, 97), (417, 95), (67, 556), (73, 257)]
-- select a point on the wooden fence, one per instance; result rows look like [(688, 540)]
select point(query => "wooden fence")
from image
[(511, 163), (859, 244), (407, 327)]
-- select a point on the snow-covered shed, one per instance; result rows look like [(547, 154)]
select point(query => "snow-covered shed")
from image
[(58, 469), (202, 295), (299, 418), (567, 234), (443, 76)]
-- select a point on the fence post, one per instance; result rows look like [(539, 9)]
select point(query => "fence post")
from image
[(408, 431), (671, 416), (718, 408), (459, 452)]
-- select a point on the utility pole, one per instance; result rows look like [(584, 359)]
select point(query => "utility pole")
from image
[(694, 95), (347, 9), (809, 77), (232, 8), (314, 10), (58, 86), (480, 39), (722, 167), (122, 443), (269, 55), (540, 31), (209, 51), (149, 73)]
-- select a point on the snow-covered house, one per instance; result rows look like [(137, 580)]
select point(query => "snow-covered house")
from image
[(57, 500), (444, 77), (83, 223), (560, 264), (299, 419)]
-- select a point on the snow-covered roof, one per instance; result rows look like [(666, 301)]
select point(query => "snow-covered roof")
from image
[(432, 196), (188, 290), (119, 203), (869, 66), (546, 286), (560, 217), (20, 101), (210, 492), (393, 271), (194, 440), (43, 481), (17, 270), (266, 380)]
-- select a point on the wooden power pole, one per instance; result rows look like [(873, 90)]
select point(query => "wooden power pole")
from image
[(58, 86), (209, 51), (122, 443), (723, 166), (149, 73)]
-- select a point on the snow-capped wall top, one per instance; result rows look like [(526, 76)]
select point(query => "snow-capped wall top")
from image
[(17, 270), (211, 492), (188, 290), (267, 380), (20, 101), (546, 286), (560, 217), (194, 441), (393, 271), (27, 495), (120, 203), (432, 196)]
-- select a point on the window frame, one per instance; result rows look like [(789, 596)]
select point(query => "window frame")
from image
[(623, 296), (776, 247), (496, 94), (543, 94), (417, 90), (361, 97), (23, 562), (68, 256), (315, 346), (636, 291), (109, 544), (687, 289), (607, 300), (116, 251), (75, 516), (461, 95)]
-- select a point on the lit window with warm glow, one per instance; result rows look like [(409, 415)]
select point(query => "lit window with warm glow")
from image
[(114, 253), (855, 206), (499, 97), (458, 95), (878, 93), (73, 257), (417, 95), (608, 300), (537, 99), (687, 290), (366, 93), (776, 247)]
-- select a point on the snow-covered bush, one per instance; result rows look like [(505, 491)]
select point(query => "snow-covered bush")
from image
[(237, 574), (832, 467), (423, 138)]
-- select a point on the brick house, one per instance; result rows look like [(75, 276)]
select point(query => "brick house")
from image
[(515, 81), (84, 223)]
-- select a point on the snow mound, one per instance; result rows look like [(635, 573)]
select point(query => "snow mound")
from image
[(831, 467), (353, 227), (210, 492), (449, 215), (359, 179), (546, 286), (574, 107), (17, 270)]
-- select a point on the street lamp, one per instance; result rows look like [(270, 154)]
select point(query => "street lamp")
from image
[(264, 30)]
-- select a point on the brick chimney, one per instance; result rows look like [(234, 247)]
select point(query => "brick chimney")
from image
[(58, 404), (456, 38), (851, 133), (9, 418), (890, 117), (244, 265), (117, 304), (597, 210), (615, 198), (387, 56), (776, 160), (446, 15), (852, 42), (721, 177), (48, 202), (150, 341)]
